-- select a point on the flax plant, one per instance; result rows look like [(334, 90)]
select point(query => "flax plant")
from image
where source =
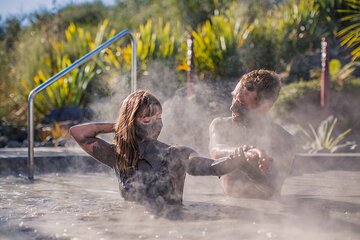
[(323, 139), (215, 46), (155, 40), (71, 88)]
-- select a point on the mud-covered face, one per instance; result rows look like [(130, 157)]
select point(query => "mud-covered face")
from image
[(149, 127), (243, 103)]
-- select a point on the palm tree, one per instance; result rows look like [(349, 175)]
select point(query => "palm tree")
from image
[(350, 35)]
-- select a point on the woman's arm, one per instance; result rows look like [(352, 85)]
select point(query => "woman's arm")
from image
[(85, 136), (202, 166)]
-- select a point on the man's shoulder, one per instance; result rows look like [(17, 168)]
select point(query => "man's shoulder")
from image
[(283, 133), (221, 121)]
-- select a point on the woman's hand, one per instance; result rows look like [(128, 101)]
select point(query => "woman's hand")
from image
[(238, 155)]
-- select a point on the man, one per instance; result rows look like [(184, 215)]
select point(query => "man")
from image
[(251, 127)]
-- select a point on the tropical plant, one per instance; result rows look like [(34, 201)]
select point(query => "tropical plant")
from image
[(71, 88), (282, 32), (59, 131), (350, 35), (68, 90), (286, 30), (324, 138), (340, 74), (215, 46), (261, 49), (298, 23), (155, 40), (52, 132)]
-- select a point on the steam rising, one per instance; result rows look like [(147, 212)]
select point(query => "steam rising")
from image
[(312, 206), (186, 117)]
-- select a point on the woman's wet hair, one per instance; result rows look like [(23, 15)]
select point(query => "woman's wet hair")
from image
[(149, 106), (138, 103)]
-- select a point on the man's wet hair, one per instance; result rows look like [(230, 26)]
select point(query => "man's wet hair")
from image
[(266, 83)]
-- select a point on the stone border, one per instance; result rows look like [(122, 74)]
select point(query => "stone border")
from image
[(74, 159)]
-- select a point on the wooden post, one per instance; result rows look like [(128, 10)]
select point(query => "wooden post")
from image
[(325, 81), (189, 76)]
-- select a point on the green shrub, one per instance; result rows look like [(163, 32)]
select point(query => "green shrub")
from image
[(12, 108), (215, 46), (293, 94), (341, 74), (299, 103), (297, 27), (261, 50), (281, 33), (156, 40), (71, 88)]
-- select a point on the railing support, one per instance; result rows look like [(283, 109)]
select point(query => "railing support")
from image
[(325, 80), (38, 89)]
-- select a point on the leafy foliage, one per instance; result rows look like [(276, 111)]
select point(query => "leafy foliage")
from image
[(294, 93), (215, 46), (155, 40), (71, 88), (10, 99), (340, 74), (350, 35), (199, 11), (324, 138), (280, 33), (229, 38), (131, 14)]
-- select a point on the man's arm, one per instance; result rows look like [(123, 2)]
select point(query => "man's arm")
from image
[(85, 136), (216, 148), (270, 182)]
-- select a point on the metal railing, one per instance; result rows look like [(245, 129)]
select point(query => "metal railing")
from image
[(38, 89)]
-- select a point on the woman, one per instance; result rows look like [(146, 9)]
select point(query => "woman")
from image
[(147, 169)]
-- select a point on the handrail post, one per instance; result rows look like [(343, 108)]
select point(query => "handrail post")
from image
[(44, 85), (30, 162), (133, 64)]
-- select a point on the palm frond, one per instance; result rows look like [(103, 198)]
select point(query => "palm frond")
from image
[(350, 35)]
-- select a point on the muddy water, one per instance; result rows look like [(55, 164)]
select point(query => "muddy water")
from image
[(72, 206)]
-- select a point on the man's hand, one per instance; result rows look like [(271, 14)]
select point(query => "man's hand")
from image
[(256, 163), (251, 160), (257, 158), (227, 164)]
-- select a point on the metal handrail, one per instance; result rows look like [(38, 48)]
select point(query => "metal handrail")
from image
[(80, 61)]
